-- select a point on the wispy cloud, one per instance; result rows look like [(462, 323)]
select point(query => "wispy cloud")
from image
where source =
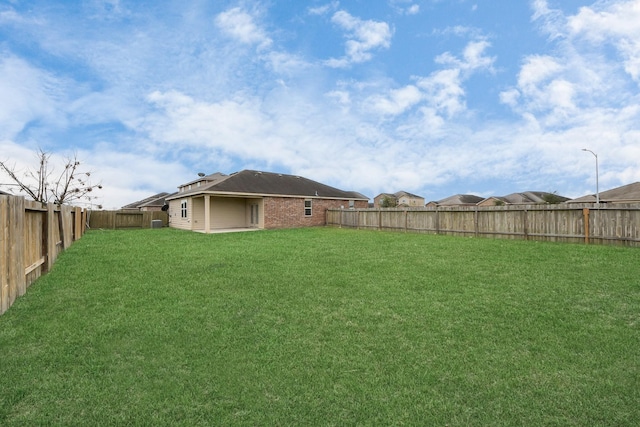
[(363, 36), (241, 25), (442, 91), (324, 9)]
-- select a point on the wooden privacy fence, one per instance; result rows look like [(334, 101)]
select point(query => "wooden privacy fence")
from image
[(607, 224), (125, 219), (32, 235)]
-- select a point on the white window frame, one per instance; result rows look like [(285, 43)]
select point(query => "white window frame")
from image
[(308, 207), (183, 209)]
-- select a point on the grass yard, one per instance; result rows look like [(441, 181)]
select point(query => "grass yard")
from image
[(325, 326)]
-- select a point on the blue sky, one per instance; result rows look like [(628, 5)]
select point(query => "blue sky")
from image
[(434, 97)]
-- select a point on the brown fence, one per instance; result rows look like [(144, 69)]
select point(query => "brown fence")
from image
[(125, 219), (588, 223), (32, 235)]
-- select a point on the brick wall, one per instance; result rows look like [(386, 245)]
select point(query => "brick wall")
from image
[(288, 212)]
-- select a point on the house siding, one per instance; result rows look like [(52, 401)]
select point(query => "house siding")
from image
[(288, 212), (197, 213), (228, 212), (175, 218)]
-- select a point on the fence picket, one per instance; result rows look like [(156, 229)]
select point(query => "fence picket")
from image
[(30, 241), (604, 224)]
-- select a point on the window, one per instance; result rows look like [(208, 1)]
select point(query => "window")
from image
[(307, 208), (352, 204), (183, 209), (255, 219)]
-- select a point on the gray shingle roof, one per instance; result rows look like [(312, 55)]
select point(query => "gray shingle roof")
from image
[(268, 183), (532, 197), (460, 199), (626, 193), (155, 200), (407, 194)]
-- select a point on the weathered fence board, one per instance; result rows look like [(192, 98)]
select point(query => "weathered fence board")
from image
[(31, 237), (589, 223), (125, 219)]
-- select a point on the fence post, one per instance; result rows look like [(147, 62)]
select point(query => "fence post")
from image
[(585, 215), (62, 227), (77, 219), (4, 253), (526, 223), (52, 247), (475, 222), (17, 285)]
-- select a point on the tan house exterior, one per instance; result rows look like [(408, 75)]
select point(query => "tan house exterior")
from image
[(400, 199), (256, 200)]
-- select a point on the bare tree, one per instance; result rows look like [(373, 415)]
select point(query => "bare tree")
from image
[(70, 186)]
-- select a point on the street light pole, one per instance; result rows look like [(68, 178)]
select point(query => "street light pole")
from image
[(597, 186)]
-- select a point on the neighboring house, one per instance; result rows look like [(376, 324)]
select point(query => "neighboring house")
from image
[(457, 200), (629, 193), (255, 199), (401, 199), (526, 198), (152, 203)]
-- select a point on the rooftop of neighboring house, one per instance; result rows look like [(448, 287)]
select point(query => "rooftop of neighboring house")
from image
[(533, 197), (460, 199), (263, 183), (155, 200), (407, 194), (629, 193)]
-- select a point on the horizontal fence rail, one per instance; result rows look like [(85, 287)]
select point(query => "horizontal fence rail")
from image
[(584, 223), (126, 219), (32, 235)]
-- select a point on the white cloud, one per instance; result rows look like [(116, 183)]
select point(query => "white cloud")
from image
[(616, 24), (240, 25), (552, 21), (473, 57), (324, 9), (537, 69), (444, 91), (363, 36), (581, 78), (414, 9), (436, 96), (397, 102)]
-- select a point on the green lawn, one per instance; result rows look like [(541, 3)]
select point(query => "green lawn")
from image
[(325, 327)]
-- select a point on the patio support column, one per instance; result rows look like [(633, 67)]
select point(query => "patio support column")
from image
[(207, 213)]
